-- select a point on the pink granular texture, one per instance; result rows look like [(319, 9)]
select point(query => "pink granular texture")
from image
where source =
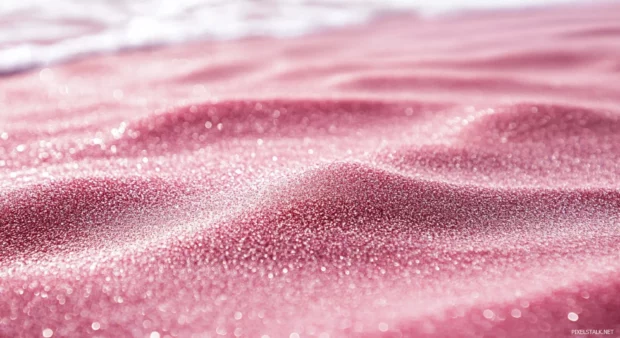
[(412, 177)]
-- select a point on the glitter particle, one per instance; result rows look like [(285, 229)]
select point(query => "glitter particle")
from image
[(573, 317)]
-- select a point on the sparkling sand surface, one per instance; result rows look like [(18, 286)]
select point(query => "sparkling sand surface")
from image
[(448, 176)]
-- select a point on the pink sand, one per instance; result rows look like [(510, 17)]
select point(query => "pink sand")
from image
[(447, 177)]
